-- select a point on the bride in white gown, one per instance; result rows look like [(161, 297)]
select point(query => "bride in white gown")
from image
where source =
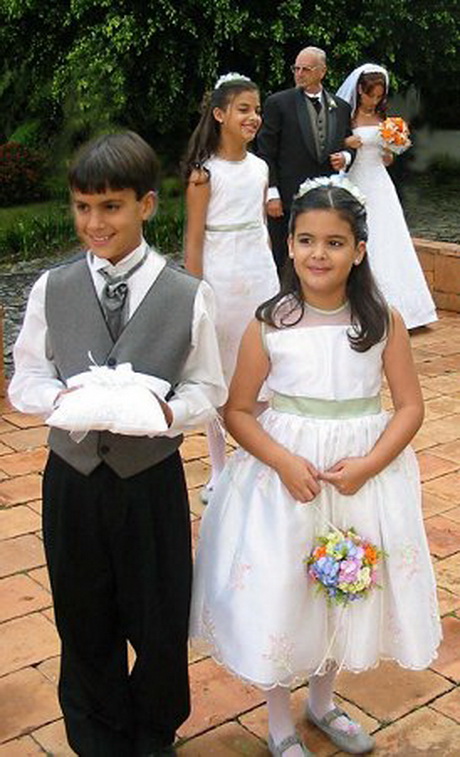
[(391, 253)]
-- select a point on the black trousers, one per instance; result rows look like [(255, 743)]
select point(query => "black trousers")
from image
[(119, 559), (278, 230)]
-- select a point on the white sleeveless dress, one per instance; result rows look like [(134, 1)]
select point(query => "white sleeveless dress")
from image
[(254, 609), (392, 256), (237, 258)]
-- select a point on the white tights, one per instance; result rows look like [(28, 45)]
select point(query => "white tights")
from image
[(320, 697), (280, 720)]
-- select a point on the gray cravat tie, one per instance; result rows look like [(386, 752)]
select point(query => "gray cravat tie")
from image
[(115, 295)]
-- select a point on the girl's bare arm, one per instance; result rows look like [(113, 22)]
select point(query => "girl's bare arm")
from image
[(197, 200)]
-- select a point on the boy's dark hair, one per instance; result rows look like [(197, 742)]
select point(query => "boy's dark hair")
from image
[(115, 161), (205, 139), (369, 311)]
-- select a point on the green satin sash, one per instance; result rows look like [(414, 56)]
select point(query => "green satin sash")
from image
[(234, 226), (331, 409)]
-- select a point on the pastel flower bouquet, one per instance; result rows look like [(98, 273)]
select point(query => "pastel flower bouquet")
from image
[(394, 134), (344, 566)]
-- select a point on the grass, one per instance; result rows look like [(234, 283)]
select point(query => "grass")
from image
[(11, 215), (46, 228)]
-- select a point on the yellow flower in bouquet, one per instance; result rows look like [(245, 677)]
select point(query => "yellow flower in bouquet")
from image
[(394, 134)]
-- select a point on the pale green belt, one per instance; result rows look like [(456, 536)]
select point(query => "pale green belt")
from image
[(333, 409), (234, 226)]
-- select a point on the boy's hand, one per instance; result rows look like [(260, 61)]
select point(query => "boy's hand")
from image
[(63, 392), (348, 475), (299, 477), (167, 412)]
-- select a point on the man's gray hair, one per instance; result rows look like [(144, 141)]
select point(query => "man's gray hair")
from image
[(317, 50)]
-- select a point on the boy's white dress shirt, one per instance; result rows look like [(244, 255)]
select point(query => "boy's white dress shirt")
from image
[(35, 385)]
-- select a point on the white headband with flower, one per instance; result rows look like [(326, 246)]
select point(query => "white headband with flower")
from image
[(231, 76), (336, 180)]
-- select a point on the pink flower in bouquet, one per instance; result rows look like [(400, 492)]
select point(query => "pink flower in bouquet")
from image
[(349, 570)]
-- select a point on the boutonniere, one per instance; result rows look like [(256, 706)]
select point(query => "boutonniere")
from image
[(331, 104)]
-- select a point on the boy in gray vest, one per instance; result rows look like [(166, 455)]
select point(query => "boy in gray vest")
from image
[(116, 522)]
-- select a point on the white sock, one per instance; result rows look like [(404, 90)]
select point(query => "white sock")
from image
[(280, 721), (216, 445), (320, 697)]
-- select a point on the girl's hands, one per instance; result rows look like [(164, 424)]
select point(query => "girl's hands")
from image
[(348, 475), (299, 477)]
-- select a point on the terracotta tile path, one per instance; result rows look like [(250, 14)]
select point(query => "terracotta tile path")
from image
[(410, 713)]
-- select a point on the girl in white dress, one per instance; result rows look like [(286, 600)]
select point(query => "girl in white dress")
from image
[(324, 451), (392, 255), (227, 241)]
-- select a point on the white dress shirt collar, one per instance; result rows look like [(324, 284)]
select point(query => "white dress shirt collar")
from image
[(123, 266), (316, 95)]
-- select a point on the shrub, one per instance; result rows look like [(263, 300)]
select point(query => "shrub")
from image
[(38, 236), (28, 133), (21, 174)]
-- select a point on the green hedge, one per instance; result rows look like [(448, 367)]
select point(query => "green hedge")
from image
[(48, 228)]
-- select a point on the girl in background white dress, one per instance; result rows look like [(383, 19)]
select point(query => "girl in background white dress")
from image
[(392, 255), (324, 451), (227, 241)]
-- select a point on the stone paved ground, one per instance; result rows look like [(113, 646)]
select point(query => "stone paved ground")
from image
[(410, 713)]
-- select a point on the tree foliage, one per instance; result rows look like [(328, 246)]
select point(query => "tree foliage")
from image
[(81, 66)]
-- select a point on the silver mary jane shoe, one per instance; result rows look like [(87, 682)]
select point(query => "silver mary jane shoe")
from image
[(277, 750), (355, 741)]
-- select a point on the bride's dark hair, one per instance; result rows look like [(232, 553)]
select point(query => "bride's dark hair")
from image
[(367, 82), (369, 311)]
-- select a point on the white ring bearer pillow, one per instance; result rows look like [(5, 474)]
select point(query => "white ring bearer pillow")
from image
[(118, 399)]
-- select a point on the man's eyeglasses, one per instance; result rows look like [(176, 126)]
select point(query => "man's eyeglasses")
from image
[(303, 69)]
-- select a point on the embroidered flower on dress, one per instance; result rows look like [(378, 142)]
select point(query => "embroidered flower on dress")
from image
[(262, 479), (237, 575), (409, 559), (281, 652)]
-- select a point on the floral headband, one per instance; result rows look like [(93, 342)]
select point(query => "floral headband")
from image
[(336, 180), (231, 76)]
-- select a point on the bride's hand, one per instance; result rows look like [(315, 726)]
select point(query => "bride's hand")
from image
[(354, 142), (387, 157)]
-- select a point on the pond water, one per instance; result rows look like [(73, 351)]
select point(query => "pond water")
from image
[(431, 205)]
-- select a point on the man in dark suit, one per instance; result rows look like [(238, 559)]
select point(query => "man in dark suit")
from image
[(302, 136)]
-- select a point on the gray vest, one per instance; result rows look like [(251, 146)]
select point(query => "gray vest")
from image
[(319, 127), (156, 340)]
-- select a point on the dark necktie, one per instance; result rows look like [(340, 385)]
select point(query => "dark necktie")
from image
[(316, 102), (115, 295)]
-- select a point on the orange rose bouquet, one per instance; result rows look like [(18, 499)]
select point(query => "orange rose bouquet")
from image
[(394, 134)]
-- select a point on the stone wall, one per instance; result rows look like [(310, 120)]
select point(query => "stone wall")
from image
[(441, 264), (2, 372)]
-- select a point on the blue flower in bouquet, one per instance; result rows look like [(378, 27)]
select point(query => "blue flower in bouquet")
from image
[(326, 570)]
